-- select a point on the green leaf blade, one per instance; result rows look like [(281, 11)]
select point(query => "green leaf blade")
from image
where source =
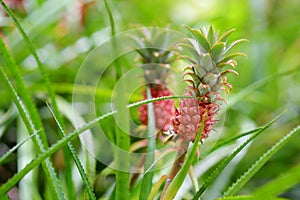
[(217, 51), (236, 186), (211, 36), (148, 176), (285, 181), (182, 173), (200, 37), (218, 170)]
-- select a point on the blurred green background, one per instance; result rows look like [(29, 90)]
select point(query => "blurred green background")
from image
[(65, 31)]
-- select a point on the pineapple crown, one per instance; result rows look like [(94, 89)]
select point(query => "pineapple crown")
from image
[(153, 46), (210, 57), (155, 53)]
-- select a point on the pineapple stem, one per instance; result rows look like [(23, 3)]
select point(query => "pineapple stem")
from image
[(181, 153)]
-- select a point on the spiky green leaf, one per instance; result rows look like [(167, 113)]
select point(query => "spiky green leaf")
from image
[(211, 37), (236, 186), (282, 183), (149, 158), (217, 51), (218, 170), (4, 188), (10, 151), (231, 56), (201, 39), (179, 178), (248, 198), (224, 37), (233, 44), (190, 46), (156, 187), (232, 63), (203, 42)]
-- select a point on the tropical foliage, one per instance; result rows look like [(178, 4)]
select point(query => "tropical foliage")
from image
[(140, 99)]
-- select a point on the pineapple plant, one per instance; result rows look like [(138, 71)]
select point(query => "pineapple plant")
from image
[(206, 75), (156, 60)]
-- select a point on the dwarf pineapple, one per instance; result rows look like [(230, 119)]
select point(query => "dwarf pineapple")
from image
[(207, 77), (156, 61)]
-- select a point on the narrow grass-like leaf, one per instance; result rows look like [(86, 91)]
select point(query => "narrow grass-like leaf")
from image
[(122, 161), (260, 83), (11, 150), (31, 117), (230, 140), (194, 178), (76, 159), (28, 186), (123, 142), (236, 186), (71, 190), (35, 122), (226, 35), (80, 89), (75, 119), (163, 155), (42, 156), (286, 180), (231, 56), (37, 21), (122, 137), (8, 116), (156, 187), (115, 44), (62, 142), (30, 46), (149, 160), (111, 19), (249, 198), (218, 170), (233, 44), (32, 50), (31, 126), (179, 178)]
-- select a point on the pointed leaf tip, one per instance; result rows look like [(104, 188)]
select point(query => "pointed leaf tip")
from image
[(217, 51), (201, 39), (211, 37), (226, 34), (234, 43), (231, 56)]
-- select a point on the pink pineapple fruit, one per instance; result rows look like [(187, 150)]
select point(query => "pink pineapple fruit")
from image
[(163, 110), (189, 115)]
